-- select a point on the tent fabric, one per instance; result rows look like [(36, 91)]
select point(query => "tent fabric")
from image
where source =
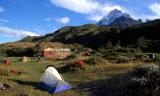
[(61, 86), (51, 76), (52, 81)]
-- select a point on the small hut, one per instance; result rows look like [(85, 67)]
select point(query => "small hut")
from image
[(56, 53), (25, 59)]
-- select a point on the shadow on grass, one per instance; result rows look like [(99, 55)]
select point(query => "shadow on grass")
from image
[(63, 69), (27, 83), (106, 87)]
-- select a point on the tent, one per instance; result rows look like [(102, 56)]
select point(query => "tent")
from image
[(52, 82)]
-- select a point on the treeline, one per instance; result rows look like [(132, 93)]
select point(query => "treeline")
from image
[(21, 52)]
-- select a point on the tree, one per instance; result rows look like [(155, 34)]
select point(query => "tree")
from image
[(142, 43), (109, 45)]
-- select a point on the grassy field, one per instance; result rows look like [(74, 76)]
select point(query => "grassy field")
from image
[(85, 83)]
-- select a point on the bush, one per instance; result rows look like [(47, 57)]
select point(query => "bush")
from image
[(147, 70), (140, 56), (70, 57), (126, 50), (122, 59), (4, 72), (74, 67), (95, 60), (90, 61), (111, 56), (145, 81), (157, 58)]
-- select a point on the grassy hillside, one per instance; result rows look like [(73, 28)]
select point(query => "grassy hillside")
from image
[(27, 48), (85, 82), (144, 36), (88, 35)]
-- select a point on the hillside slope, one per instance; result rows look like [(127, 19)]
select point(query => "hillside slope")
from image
[(145, 36), (88, 35)]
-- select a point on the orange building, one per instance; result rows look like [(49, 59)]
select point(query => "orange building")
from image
[(57, 53)]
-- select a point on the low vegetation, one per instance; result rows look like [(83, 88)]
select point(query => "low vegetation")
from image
[(32, 71), (145, 81)]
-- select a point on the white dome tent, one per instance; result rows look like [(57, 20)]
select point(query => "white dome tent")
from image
[(52, 81)]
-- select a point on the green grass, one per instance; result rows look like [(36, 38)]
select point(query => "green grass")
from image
[(28, 82)]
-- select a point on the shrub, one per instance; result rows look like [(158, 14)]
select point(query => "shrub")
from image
[(4, 72), (145, 81), (110, 56), (147, 70), (70, 57), (74, 67), (140, 56), (90, 61), (157, 58), (122, 59)]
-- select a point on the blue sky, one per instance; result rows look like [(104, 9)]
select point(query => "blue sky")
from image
[(20, 18)]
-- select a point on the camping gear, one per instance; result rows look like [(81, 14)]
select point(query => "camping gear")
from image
[(52, 81), (7, 62), (4, 86), (26, 59)]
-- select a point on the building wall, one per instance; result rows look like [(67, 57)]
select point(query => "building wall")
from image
[(64, 54), (49, 54), (55, 54)]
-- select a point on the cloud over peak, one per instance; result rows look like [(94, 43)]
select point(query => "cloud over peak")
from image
[(155, 8), (93, 9)]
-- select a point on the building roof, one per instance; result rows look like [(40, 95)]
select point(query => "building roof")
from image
[(63, 49), (48, 49), (57, 49)]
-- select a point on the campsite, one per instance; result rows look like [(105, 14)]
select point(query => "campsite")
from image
[(79, 47), (28, 82), (84, 82)]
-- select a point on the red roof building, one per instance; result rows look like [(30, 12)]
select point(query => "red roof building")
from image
[(56, 53)]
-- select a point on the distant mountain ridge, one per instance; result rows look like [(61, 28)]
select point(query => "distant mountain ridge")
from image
[(118, 18), (145, 35)]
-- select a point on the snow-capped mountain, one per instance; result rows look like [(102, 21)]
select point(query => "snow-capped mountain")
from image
[(113, 15), (124, 22)]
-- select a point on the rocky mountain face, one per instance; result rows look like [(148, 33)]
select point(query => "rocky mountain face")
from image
[(119, 19)]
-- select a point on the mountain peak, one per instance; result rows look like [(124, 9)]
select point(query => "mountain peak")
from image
[(115, 11), (113, 15)]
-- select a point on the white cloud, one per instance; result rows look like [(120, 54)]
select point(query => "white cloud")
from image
[(94, 17), (2, 21), (92, 8), (63, 20), (155, 8), (10, 32), (2, 9), (80, 6), (49, 19)]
